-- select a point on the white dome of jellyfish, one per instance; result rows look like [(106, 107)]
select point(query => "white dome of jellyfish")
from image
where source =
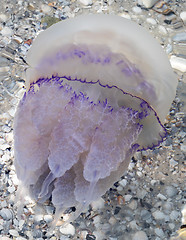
[(98, 89)]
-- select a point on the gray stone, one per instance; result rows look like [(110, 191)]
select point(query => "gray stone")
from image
[(180, 37), (140, 235), (6, 214), (145, 214), (170, 191)]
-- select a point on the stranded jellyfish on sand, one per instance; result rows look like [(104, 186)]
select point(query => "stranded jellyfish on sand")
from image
[(98, 89)]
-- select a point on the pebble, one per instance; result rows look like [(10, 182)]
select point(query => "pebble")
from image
[(4, 69), (137, 10), (6, 214), (38, 218), (6, 129), (3, 17), (86, 2), (170, 191), (48, 218), (14, 232), (145, 214), (159, 232), (69, 229), (11, 189), (179, 37), (6, 31), (178, 63), (127, 197), (183, 147), (172, 162), (45, 8), (133, 204), (161, 196), (162, 30), (99, 204), (174, 215), (123, 182), (149, 3), (183, 16), (98, 235), (151, 21), (158, 215), (140, 235), (125, 15), (141, 193)]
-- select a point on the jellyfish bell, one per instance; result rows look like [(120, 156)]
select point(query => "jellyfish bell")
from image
[(98, 89)]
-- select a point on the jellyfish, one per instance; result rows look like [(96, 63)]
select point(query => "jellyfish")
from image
[(98, 88)]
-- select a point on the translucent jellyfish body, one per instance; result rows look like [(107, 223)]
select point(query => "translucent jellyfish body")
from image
[(98, 89)]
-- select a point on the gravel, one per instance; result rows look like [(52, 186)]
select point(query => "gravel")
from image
[(148, 201)]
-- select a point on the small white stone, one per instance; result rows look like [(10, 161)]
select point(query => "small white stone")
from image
[(127, 197), (6, 129), (99, 204), (183, 16), (136, 10), (125, 15), (179, 37), (131, 166), (133, 204), (158, 215), (183, 147), (14, 232), (68, 230), (83, 234), (153, 182), (178, 63), (140, 235), (99, 235), (140, 174), (167, 207), (162, 30), (3, 17), (45, 8), (159, 232), (149, 3), (6, 31), (4, 146), (112, 220), (97, 220), (11, 189), (86, 2), (64, 238), (38, 218), (21, 223), (174, 215), (172, 162), (141, 193), (133, 225), (169, 48), (170, 191), (151, 21), (161, 196), (48, 218), (6, 214), (171, 226), (15, 180), (123, 182), (4, 69), (18, 39), (3, 204)]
